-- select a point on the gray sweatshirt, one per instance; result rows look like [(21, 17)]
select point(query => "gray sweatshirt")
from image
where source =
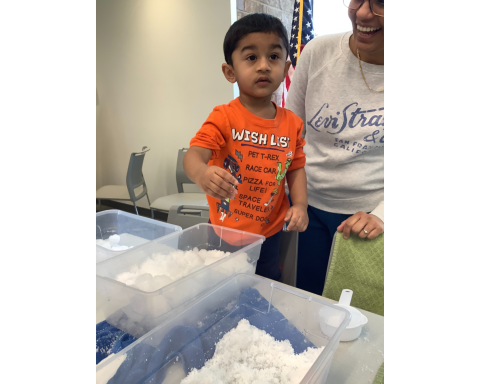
[(343, 126)]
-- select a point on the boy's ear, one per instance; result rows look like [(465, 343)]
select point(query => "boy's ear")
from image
[(287, 67), (228, 72)]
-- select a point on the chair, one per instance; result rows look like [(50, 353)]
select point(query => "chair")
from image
[(357, 264), (163, 204), (186, 216), (135, 180)]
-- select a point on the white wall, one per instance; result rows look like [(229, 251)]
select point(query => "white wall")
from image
[(158, 77)]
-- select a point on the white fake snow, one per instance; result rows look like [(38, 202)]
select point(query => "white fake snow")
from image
[(112, 243), (160, 270), (248, 355)]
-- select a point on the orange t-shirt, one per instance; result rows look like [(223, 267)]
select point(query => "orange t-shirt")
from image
[(258, 152)]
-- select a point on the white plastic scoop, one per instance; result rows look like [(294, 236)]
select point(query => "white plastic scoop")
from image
[(354, 327), (345, 298), (358, 320)]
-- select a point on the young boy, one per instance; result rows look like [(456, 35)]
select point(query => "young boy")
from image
[(244, 150)]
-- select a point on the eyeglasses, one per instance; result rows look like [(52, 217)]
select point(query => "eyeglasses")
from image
[(376, 6)]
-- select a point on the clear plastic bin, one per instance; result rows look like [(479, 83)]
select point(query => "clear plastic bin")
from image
[(133, 230), (215, 313), (136, 311)]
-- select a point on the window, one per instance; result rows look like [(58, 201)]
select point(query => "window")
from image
[(330, 16)]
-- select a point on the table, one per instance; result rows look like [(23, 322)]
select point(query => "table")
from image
[(357, 361)]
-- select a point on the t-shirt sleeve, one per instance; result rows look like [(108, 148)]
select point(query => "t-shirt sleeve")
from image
[(211, 134), (299, 158)]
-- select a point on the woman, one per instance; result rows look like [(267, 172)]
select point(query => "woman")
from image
[(337, 90)]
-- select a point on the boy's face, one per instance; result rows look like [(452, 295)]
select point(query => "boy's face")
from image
[(259, 64)]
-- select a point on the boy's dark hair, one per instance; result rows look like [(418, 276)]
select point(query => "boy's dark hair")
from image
[(255, 22)]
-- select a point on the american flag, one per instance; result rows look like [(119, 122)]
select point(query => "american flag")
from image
[(302, 33)]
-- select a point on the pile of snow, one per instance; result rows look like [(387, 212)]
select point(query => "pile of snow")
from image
[(248, 355), (167, 266), (112, 243), (160, 270)]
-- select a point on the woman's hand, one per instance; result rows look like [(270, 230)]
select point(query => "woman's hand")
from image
[(365, 225)]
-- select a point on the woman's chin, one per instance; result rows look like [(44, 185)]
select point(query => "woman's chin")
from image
[(368, 44)]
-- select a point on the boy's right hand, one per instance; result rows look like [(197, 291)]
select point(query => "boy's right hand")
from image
[(217, 182)]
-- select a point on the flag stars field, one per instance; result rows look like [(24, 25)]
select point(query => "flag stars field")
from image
[(301, 33)]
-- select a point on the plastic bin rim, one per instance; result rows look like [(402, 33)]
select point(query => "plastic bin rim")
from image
[(260, 237), (334, 340), (196, 226), (140, 218), (226, 228), (184, 278)]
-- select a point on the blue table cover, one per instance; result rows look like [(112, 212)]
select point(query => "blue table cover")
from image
[(111, 340)]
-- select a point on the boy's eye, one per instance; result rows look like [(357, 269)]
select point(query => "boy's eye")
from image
[(251, 58), (274, 56)]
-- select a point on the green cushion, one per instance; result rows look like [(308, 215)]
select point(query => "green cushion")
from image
[(379, 377), (357, 264)]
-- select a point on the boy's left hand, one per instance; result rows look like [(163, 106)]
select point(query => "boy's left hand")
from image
[(298, 217)]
